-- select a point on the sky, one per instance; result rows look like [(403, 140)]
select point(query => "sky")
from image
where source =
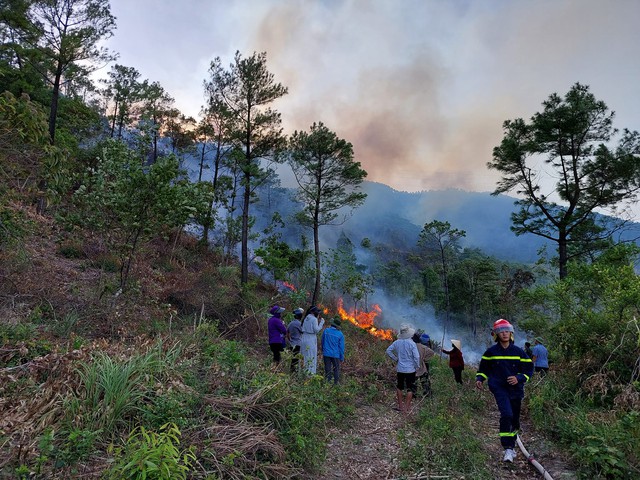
[(421, 88)]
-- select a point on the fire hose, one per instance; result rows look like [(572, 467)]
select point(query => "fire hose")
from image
[(533, 461)]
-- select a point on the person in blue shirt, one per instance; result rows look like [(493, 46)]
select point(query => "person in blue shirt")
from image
[(507, 368), (540, 357), (332, 342), (405, 353)]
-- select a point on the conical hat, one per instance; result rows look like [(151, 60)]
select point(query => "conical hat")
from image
[(457, 344)]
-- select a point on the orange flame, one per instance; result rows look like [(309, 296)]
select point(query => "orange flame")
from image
[(289, 286), (365, 320)]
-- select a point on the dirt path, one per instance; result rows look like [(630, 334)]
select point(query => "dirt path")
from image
[(535, 443), (369, 449)]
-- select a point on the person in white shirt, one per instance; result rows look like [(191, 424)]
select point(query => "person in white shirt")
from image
[(405, 353), (311, 326)]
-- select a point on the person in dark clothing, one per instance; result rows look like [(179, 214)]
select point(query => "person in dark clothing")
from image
[(456, 360), (277, 332), (507, 368), (527, 349), (422, 373), (294, 334)]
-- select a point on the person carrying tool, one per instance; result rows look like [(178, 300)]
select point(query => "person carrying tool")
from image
[(507, 368)]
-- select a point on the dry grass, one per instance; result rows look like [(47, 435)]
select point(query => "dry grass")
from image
[(233, 449)]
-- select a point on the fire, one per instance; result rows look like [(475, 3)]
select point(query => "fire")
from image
[(289, 286), (365, 320)]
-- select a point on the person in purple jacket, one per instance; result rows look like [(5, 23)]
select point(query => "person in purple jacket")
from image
[(277, 332)]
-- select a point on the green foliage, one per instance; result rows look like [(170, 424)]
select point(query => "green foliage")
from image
[(276, 256), (311, 406), (71, 249), (76, 445), (29, 343), (63, 327), (113, 390), (11, 225), (242, 95), (22, 122), (131, 202), (344, 274), (570, 135), (175, 407), (329, 181), (605, 444), (589, 401), (153, 456), (593, 314)]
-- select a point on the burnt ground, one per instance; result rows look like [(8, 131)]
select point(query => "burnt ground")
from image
[(369, 449)]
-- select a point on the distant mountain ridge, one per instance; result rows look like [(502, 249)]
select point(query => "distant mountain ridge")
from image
[(395, 218), (399, 217)]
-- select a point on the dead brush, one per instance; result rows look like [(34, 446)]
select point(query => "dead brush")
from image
[(238, 450), (254, 406), (628, 399), (26, 415), (598, 384)]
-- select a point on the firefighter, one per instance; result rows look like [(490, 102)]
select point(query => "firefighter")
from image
[(507, 368)]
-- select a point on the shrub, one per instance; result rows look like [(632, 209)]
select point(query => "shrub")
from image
[(71, 249), (153, 456), (113, 390)]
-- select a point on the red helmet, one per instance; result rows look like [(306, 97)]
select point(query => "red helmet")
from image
[(502, 326)]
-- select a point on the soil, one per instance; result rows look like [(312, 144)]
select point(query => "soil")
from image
[(368, 449)]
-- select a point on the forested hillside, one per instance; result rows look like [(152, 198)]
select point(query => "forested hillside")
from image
[(142, 251)]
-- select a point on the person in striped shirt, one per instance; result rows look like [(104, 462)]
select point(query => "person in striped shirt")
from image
[(507, 368)]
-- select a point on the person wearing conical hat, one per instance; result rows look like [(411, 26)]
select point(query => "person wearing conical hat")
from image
[(407, 358), (422, 373), (456, 360), (506, 368)]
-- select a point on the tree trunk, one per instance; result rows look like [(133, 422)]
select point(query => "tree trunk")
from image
[(562, 254), (53, 111), (202, 160), (244, 276), (115, 115), (207, 224), (316, 249)]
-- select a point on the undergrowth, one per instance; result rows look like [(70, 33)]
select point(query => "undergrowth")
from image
[(442, 441), (605, 442)]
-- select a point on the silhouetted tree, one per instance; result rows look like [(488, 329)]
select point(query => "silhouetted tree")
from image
[(246, 89), (328, 180), (67, 44), (565, 145)]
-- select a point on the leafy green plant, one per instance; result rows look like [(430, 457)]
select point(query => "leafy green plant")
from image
[(113, 390), (64, 326), (605, 460), (170, 407), (77, 445), (153, 456)]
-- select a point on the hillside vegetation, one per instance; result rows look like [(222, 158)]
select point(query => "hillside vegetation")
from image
[(134, 297)]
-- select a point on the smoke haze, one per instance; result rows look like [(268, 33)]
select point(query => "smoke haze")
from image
[(420, 88)]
